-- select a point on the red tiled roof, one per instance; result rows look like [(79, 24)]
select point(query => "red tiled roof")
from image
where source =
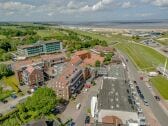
[(52, 56), (111, 120), (103, 49), (93, 59), (75, 60), (78, 53), (67, 72), (30, 69)]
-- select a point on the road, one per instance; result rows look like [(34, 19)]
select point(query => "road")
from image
[(155, 107), (4, 108)]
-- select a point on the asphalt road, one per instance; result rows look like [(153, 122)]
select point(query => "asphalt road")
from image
[(159, 113)]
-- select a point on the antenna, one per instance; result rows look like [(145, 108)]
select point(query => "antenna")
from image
[(165, 67)]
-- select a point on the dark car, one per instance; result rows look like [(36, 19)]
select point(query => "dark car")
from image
[(157, 98), (4, 101), (141, 96), (13, 96), (87, 120)]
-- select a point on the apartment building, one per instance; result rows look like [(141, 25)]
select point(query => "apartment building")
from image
[(45, 62), (69, 82), (38, 48), (33, 76)]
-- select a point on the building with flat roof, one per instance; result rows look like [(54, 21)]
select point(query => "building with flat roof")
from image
[(113, 105), (38, 48)]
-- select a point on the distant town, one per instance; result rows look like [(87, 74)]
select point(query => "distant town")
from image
[(64, 76)]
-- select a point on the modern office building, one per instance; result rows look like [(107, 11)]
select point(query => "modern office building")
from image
[(38, 48)]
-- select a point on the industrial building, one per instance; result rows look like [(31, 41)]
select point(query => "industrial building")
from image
[(114, 104)]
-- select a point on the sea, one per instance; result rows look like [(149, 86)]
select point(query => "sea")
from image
[(144, 24)]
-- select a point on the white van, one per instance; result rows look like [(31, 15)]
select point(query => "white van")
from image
[(78, 106)]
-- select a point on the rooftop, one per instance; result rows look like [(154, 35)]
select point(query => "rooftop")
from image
[(113, 94), (38, 43), (18, 64), (103, 49), (30, 69), (78, 53), (76, 60), (93, 59)]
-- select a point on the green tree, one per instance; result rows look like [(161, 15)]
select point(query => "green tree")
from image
[(40, 104), (97, 63), (5, 46), (5, 71)]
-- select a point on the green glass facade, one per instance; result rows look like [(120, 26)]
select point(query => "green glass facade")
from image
[(42, 48), (52, 47)]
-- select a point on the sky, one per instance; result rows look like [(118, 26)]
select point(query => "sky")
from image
[(82, 10)]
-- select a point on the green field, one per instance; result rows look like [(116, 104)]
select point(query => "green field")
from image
[(163, 42), (111, 39), (12, 82), (144, 58), (2, 37), (161, 84)]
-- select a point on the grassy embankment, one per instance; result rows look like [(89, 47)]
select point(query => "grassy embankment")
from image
[(144, 58), (161, 84)]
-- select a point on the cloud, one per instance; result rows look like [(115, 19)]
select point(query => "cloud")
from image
[(160, 3), (15, 6), (9, 13), (144, 14), (100, 5), (127, 5)]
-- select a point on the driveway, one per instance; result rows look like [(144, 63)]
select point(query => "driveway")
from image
[(4, 108)]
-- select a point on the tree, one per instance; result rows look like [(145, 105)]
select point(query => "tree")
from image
[(5, 46), (97, 63), (5, 71), (102, 54), (41, 103)]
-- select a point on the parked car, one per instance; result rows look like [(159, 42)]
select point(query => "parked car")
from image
[(157, 98), (12, 107), (87, 120), (141, 96), (4, 101), (13, 96), (78, 106), (146, 103)]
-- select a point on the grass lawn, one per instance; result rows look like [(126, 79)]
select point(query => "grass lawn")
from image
[(4, 93), (144, 58), (12, 82), (163, 42), (161, 84), (49, 33), (111, 39), (2, 37)]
